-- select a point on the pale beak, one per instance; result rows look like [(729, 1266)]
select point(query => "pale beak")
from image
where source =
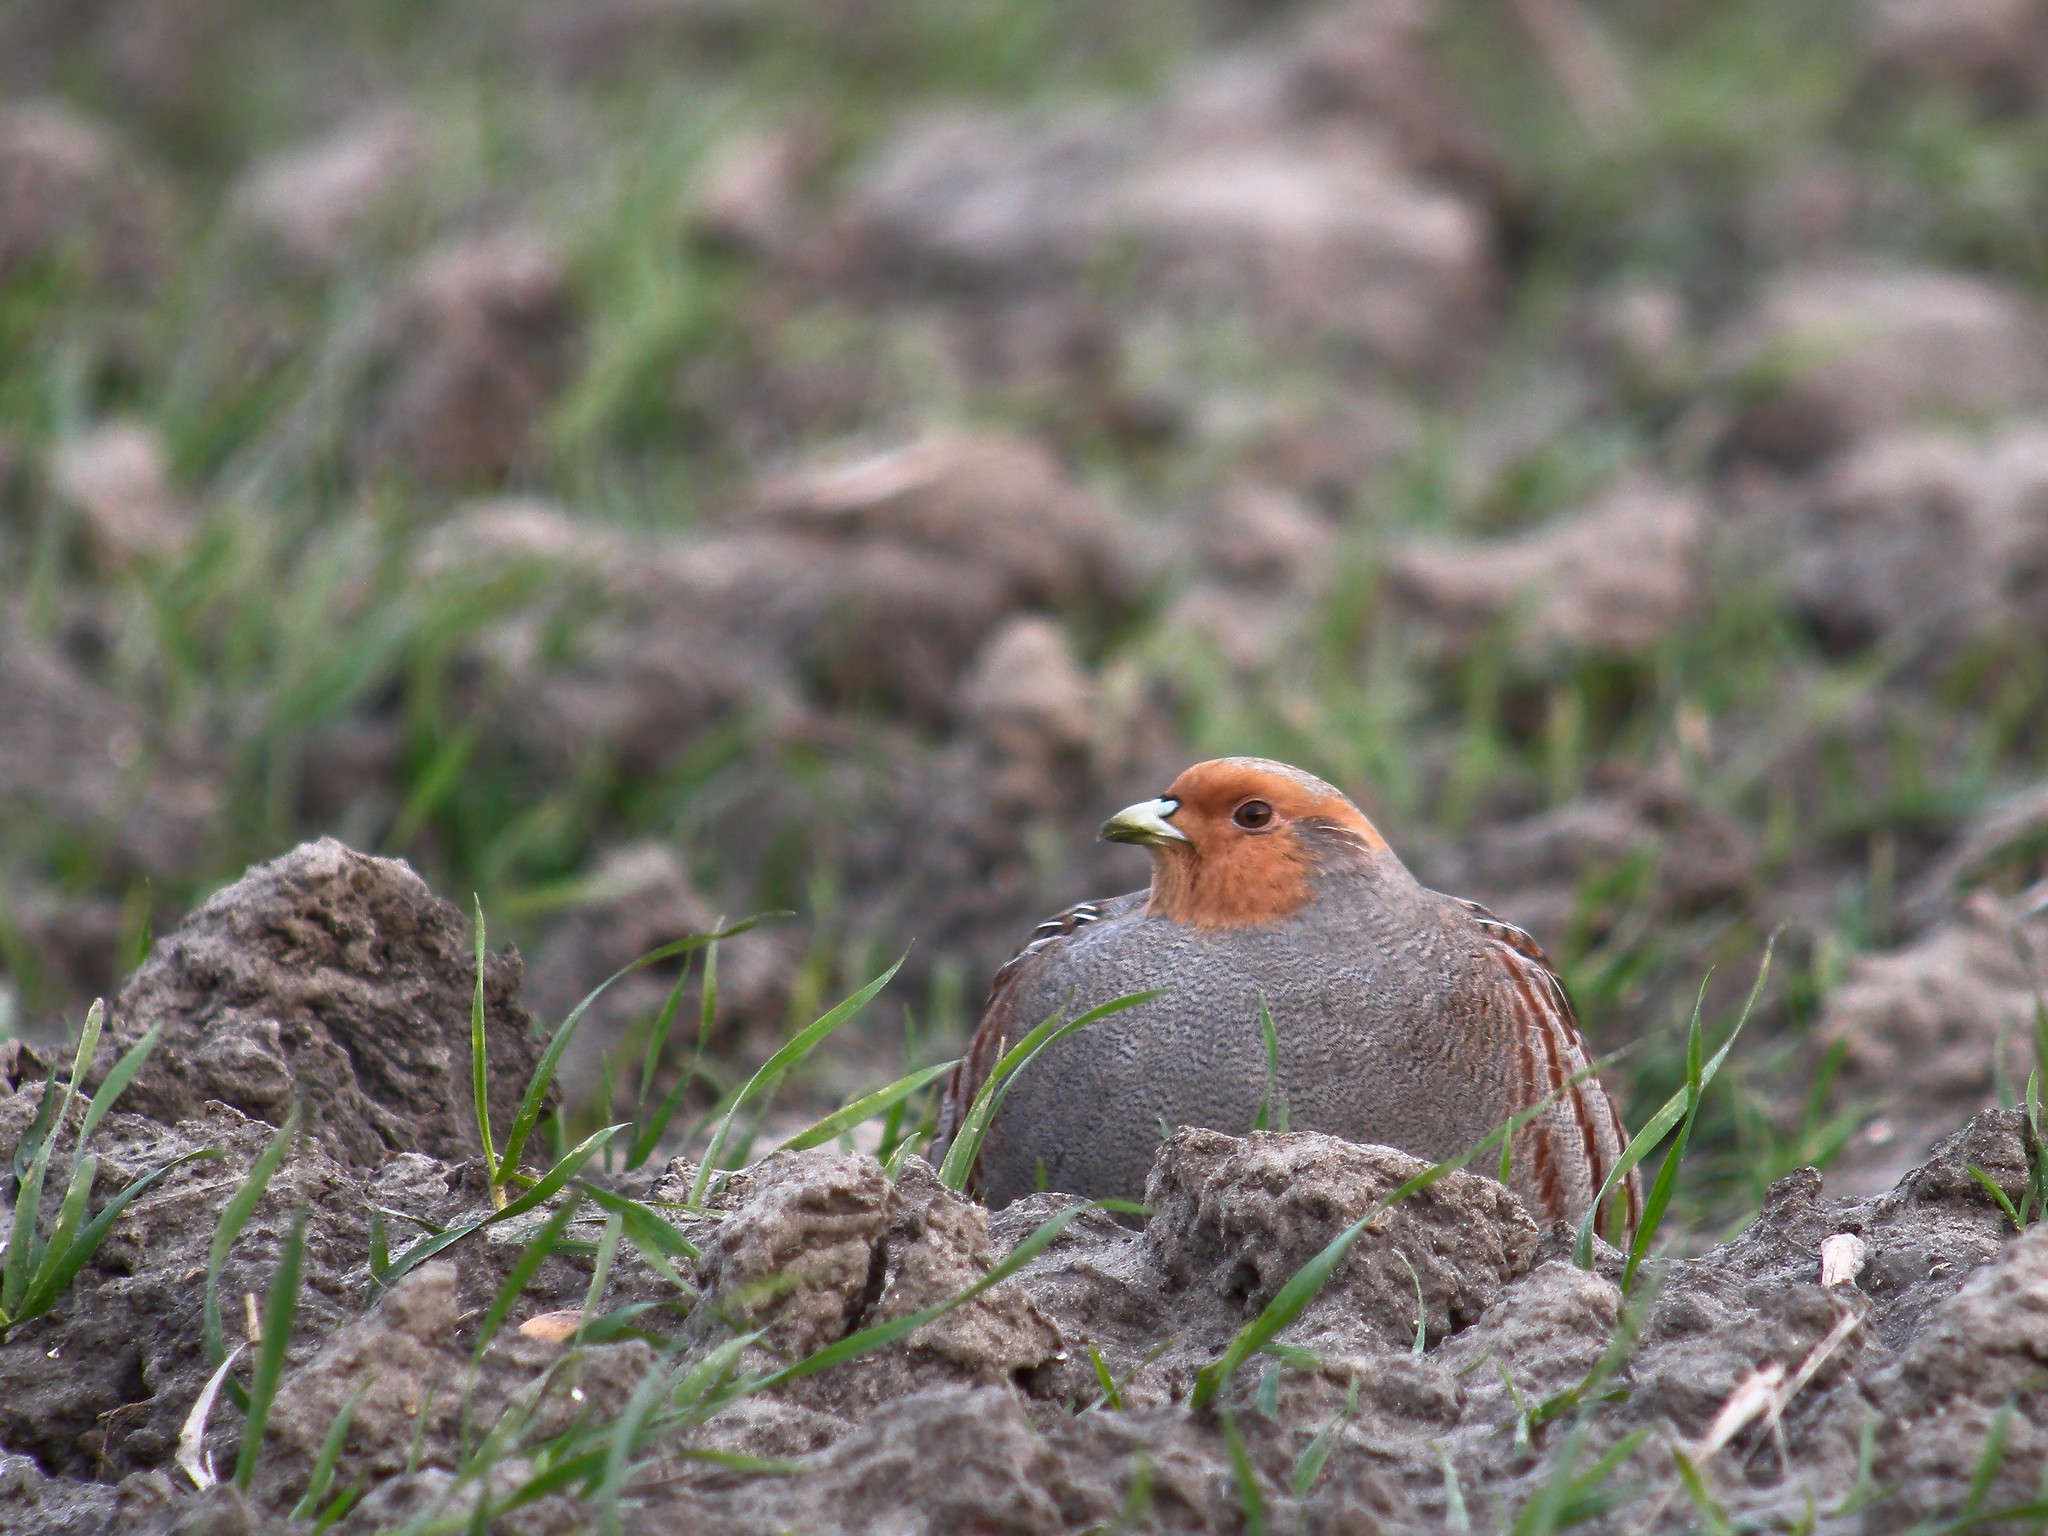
[(1144, 822)]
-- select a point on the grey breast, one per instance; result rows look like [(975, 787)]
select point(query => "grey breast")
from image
[(1366, 1036)]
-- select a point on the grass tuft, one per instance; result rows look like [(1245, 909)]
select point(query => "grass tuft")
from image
[(40, 1266), (1680, 1110), (773, 1069)]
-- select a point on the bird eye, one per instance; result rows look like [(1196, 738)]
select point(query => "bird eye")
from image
[(1252, 815)]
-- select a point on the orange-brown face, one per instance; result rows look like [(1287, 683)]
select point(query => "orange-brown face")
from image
[(1236, 841)]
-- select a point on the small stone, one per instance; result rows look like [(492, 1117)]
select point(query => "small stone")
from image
[(553, 1327), (1853, 351)]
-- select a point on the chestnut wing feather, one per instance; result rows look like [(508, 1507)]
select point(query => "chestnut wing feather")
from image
[(997, 1031), (1551, 1058)]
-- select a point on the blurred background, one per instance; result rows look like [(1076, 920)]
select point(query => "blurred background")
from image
[(645, 461)]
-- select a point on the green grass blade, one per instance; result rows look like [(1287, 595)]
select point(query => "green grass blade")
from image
[(1696, 1082), (1698, 1077), (21, 1240), (806, 1040), (1713, 1518), (862, 1109), (652, 1127), (88, 1047), (1251, 1499), (1545, 1510), (1588, 1497), (618, 1324), (479, 1061), (419, 1430), (544, 1190), (697, 1395), (88, 1241), (1991, 1188), (534, 1254), (1989, 1461), (601, 1271), (278, 1311), (575, 1461), (657, 1038), (1112, 1396), (234, 1217), (535, 1098), (329, 1457), (656, 1238), (1681, 1106), (117, 1082), (902, 1152), (1659, 1198), (739, 1461), (1456, 1517), (24, 1249), (624, 1443), (514, 1422), (1421, 1313), (584, 1470), (1275, 1101), (1654, 1130), (1308, 1466), (961, 1157), (39, 1129), (707, 999), (70, 1214), (1619, 1345), (1862, 1489)]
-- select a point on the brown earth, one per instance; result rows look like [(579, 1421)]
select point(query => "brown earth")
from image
[(1443, 1339)]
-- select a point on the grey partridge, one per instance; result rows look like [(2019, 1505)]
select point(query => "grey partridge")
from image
[(1403, 1016)]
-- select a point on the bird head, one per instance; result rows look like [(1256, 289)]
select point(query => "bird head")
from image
[(1240, 840)]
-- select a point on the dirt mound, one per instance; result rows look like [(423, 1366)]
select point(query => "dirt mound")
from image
[(1610, 580), (1934, 539), (1664, 849), (1930, 1031), (333, 979), (67, 194), (1843, 352), (115, 479), (1318, 188), (858, 579), (1234, 1220), (102, 1386)]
